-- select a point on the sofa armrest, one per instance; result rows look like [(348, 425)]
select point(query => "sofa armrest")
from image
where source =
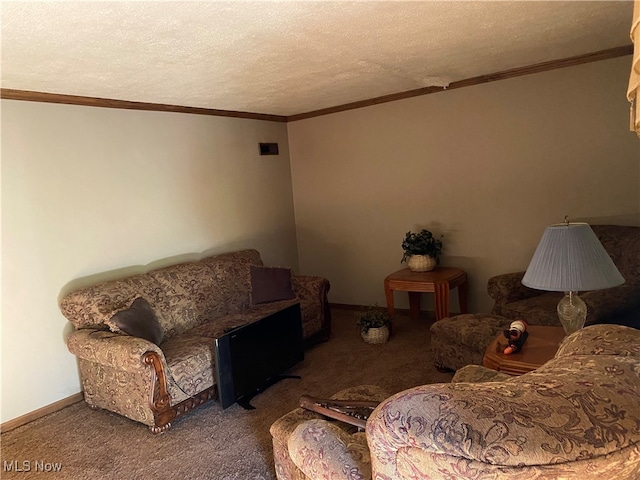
[(507, 288), (316, 315), (305, 285), (477, 374), (529, 421), (322, 450), (121, 352)]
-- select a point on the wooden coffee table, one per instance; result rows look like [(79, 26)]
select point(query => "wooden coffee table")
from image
[(540, 347), (438, 281)]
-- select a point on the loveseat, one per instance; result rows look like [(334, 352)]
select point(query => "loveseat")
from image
[(145, 343), (576, 417), (620, 305)]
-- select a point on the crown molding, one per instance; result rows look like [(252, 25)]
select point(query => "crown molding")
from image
[(29, 96), (492, 77)]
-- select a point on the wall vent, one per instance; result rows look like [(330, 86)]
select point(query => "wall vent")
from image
[(268, 149)]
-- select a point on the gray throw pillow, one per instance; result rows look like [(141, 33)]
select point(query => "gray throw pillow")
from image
[(270, 284), (139, 320)]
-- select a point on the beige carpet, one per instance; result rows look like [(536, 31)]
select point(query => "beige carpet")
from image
[(210, 443)]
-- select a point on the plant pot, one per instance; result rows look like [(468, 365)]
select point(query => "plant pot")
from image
[(421, 263), (376, 335)]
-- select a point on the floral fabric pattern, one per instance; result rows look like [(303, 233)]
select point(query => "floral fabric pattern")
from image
[(577, 416), (327, 452), (194, 302), (312, 292), (477, 374), (617, 305), (462, 340), (307, 456), (194, 296), (191, 362)]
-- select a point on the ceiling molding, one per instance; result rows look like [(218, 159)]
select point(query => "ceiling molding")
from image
[(492, 77), (25, 95)]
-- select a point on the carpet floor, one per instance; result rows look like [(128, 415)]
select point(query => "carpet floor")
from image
[(211, 443)]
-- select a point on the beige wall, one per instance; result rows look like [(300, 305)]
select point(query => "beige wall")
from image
[(92, 190), (488, 166), (90, 193)]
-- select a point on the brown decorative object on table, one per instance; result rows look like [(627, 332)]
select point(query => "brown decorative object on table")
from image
[(438, 281), (542, 344), (516, 335)]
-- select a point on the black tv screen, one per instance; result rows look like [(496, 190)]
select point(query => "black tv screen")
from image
[(251, 357)]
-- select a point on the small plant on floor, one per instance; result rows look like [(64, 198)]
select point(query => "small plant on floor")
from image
[(373, 317)]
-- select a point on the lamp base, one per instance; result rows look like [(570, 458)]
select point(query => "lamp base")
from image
[(572, 312)]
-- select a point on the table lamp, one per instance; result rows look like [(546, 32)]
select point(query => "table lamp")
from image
[(571, 259)]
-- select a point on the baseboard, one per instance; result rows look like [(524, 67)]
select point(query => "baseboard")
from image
[(430, 315), (348, 306), (41, 412), (76, 397)]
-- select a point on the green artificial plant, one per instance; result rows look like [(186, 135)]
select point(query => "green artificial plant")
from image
[(373, 317), (421, 243)]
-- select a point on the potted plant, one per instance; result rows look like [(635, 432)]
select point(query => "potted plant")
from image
[(374, 323), (421, 250)]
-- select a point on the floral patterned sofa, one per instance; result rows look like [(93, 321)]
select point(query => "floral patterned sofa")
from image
[(620, 305), (462, 340), (576, 417), (145, 343)]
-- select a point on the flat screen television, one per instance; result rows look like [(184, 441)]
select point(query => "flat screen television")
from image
[(253, 356)]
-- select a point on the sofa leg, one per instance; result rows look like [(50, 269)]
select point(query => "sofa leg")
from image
[(157, 430), (442, 368)]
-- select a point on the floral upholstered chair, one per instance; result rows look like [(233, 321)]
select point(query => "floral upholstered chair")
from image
[(576, 417)]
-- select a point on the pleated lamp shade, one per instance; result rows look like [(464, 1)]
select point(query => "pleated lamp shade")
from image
[(570, 258)]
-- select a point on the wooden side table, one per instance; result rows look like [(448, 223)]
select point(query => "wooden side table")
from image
[(540, 347), (438, 281)]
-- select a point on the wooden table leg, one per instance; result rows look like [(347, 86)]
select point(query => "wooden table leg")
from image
[(463, 290), (441, 292), (414, 305), (389, 294)]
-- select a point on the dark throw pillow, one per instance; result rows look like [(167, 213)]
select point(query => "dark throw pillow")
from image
[(270, 284), (139, 320)]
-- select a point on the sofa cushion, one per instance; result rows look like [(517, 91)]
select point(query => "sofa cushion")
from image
[(270, 284), (622, 243), (463, 339), (192, 293), (231, 272), (619, 305), (538, 310), (88, 307), (138, 320), (602, 340), (191, 363)]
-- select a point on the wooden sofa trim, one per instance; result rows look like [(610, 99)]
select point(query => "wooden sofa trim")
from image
[(160, 399)]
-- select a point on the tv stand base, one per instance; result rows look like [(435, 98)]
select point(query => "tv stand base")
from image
[(245, 402)]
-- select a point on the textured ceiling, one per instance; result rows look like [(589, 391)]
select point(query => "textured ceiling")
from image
[(286, 58)]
